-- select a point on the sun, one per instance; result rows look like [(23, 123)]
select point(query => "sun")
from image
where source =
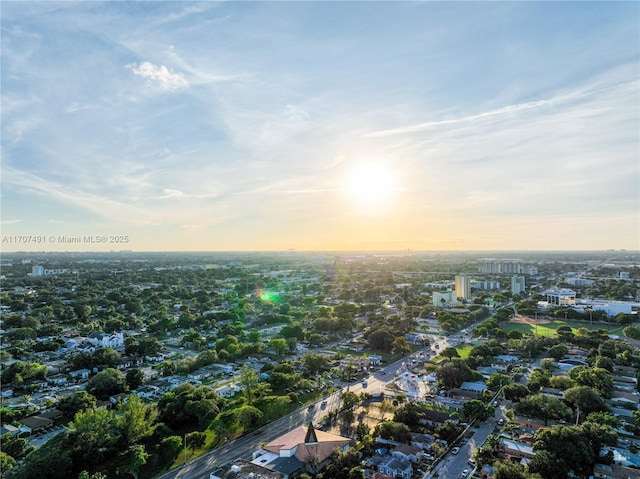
[(370, 187)]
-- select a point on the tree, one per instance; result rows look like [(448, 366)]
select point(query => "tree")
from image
[(248, 380), (497, 380), (548, 465), (134, 378), (604, 418), (568, 444), (385, 407), (106, 383), (400, 346), (97, 475), (476, 409), (131, 460), (510, 470), (279, 345), (449, 431), (585, 398), (558, 351), (16, 447), (454, 373), (450, 353), (515, 391), (106, 357), (196, 440), (136, 419), (292, 344), (169, 449), (395, 431), (598, 378), (350, 400), (6, 462), (78, 401), (544, 407), (409, 414), (249, 416)]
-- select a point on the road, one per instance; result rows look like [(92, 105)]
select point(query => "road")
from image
[(452, 465), (244, 447)]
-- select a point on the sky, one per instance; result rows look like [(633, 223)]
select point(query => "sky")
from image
[(269, 126)]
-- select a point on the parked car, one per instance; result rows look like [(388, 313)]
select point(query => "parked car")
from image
[(455, 450)]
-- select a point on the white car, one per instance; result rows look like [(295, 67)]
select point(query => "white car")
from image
[(465, 473), (455, 450)]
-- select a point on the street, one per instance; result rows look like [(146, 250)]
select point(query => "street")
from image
[(244, 447)]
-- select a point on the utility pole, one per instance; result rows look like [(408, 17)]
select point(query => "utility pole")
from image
[(185, 449), (578, 411)]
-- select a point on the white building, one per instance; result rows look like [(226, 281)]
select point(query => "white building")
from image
[(610, 307), (463, 287), (561, 297), (517, 284), (115, 340), (444, 299)]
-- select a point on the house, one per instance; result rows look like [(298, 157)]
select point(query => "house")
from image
[(58, 379), (396, 467), (34, 424), (469, 390), (147, 391), (290, 453), (406, 452), (122, 397), (80, 374), (515, 450), (486, 472), (199, 374), (103, 340), (429, 417), (228, 390), (9, 429)]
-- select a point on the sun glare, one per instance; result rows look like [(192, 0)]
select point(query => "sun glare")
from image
[(370, 187)]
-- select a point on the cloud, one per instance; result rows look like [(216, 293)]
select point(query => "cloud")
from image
[(159, 75)]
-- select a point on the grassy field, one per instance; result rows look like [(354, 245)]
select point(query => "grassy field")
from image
[(549, 329), (463, 351)]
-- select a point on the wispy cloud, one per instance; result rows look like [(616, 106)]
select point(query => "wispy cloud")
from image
[(159, 75)]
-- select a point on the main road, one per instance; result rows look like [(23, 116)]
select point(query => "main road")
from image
[(244, 446)]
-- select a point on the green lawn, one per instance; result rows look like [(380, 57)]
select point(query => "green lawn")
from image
[(463, 351), (549, 329)]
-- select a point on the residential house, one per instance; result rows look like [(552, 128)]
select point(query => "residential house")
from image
[(9, 429), (486, 472), (80, 374), (515, 450), (103, 340), (429, 417), (396, 467), (406, 452), (58, 379), (228, 390), (35, 424), (147, 391)]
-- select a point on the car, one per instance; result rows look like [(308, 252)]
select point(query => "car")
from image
[(324, 404), (382, 371), (364, 384), (455, 450), (495, 403), (312, 407), (501, 421), (465, 473)]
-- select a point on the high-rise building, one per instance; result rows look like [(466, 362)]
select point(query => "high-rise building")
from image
[(517, 284), (463, 287)]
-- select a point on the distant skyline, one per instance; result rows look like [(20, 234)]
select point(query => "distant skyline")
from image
[(212, 126)]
